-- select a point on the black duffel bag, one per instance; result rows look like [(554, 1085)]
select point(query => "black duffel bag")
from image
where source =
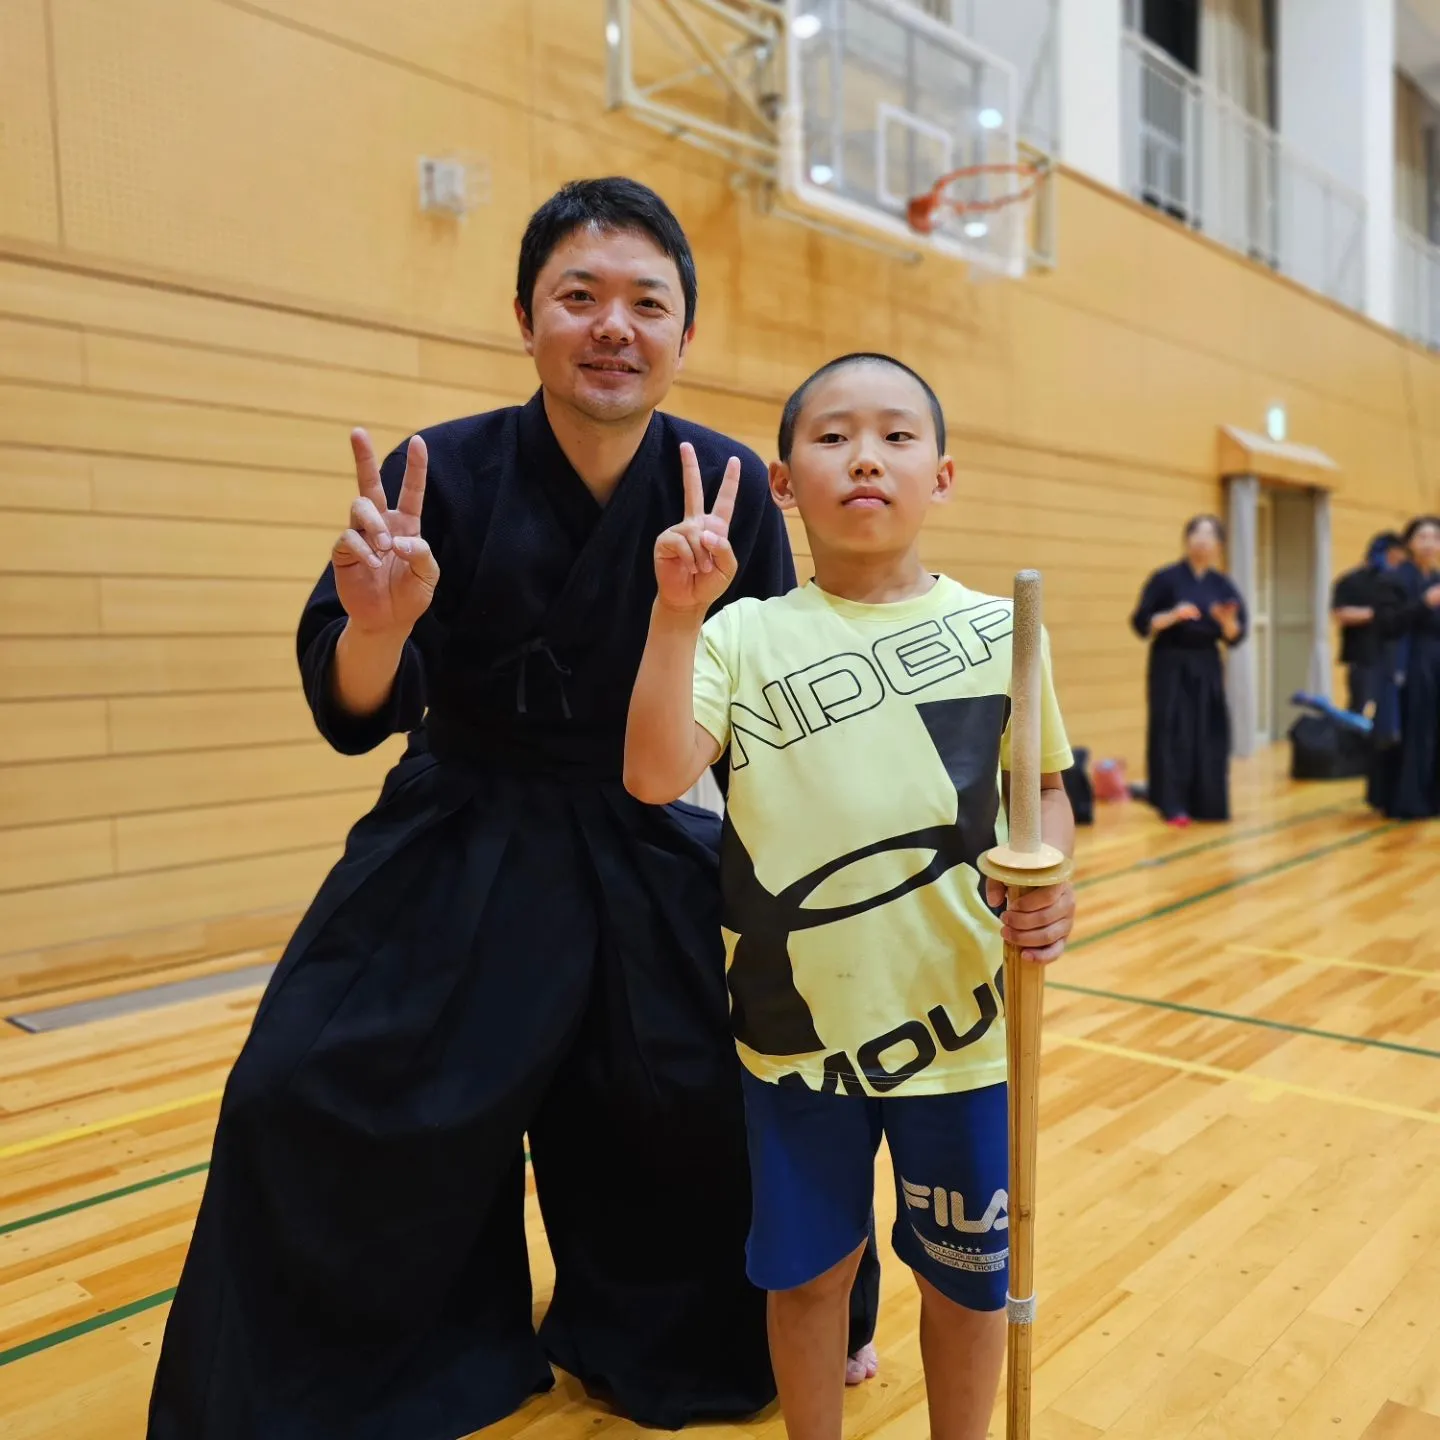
[(1326, 749)]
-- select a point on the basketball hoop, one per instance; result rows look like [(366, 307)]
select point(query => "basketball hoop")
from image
[(927, 212)]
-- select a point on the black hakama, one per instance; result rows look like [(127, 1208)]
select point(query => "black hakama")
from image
[(511, 945), (1187, 749), (1408, 783)]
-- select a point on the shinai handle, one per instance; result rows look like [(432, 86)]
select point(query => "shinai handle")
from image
[(1023, 863), (1024, 1000), (1024, 1007), (1024, 806)]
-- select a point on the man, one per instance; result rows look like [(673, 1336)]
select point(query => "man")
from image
[(1359, 595), (511, 947)]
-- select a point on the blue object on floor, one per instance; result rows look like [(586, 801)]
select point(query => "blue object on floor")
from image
[(1320, 706)]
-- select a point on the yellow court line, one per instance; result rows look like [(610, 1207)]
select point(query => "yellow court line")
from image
[(1266, 1087), (99, 1127), (1335, 962)]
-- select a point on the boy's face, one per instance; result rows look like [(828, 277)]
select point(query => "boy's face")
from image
[(864, 469)]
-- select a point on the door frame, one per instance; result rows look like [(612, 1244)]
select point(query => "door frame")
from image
[(1248, 464)]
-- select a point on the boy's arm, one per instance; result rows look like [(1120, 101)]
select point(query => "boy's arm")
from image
[(666, 751), (1040, 920)]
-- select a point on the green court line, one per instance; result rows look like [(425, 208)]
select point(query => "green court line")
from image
[(1182, 1009), (109, 1317), (1155, 862), (1278, 868), (83, 1327), (26, 1221)]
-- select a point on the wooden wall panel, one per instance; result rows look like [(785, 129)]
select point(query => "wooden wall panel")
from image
[(147, 605), (321, 139), (35, 416), (223, 832), (104, 305), (78, 666), (29, 207), (40, 352), (124, 904), (94, 543), (178, 372), (43, 480), (54, 854), (117, 785), (270, 385), (274, 499), (441, 40), (51, 730), (153, 724), (49, 605)]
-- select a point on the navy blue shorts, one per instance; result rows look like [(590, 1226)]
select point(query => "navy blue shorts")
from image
[(812, 1171)]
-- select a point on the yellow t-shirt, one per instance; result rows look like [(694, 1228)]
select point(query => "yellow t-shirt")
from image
[(866, 744)]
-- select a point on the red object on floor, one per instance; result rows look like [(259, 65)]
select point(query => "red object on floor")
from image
[(1110, 781)]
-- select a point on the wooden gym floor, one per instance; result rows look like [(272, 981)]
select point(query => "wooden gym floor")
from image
[(1239, 1226)]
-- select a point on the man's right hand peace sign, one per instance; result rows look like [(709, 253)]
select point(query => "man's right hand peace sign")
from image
[(384, 571), (693, 560)]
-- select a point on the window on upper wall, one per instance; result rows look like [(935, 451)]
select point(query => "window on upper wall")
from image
[(1173, 25), (1432, 176), (1417, 212), (1416, 157), (1230, 43)]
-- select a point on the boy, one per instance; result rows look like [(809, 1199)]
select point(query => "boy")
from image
[(865, 716)]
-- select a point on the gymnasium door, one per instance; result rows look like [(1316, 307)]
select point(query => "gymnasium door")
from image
[(1292, 607), (1278, 496), (1283, 621)]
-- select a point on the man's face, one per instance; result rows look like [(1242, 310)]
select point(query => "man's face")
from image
[(607, 324)]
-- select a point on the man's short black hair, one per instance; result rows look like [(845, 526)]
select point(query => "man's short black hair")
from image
[(612, 204), (790, 417)]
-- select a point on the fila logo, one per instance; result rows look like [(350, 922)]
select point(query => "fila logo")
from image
[(949, 1207)]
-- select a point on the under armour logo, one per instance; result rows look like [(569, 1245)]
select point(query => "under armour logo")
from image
[(767, 1011), (949, 1208)]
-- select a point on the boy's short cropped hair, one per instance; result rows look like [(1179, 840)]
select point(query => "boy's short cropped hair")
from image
[(790, 417)]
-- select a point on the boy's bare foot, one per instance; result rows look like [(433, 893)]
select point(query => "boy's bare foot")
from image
[(863, 1365)]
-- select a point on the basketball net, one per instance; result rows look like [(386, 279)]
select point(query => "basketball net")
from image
[(979, 200)]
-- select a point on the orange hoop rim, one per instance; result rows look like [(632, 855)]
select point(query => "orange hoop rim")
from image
[(923, 210)]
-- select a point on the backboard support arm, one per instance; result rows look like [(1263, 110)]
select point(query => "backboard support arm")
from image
[(720, 76)]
